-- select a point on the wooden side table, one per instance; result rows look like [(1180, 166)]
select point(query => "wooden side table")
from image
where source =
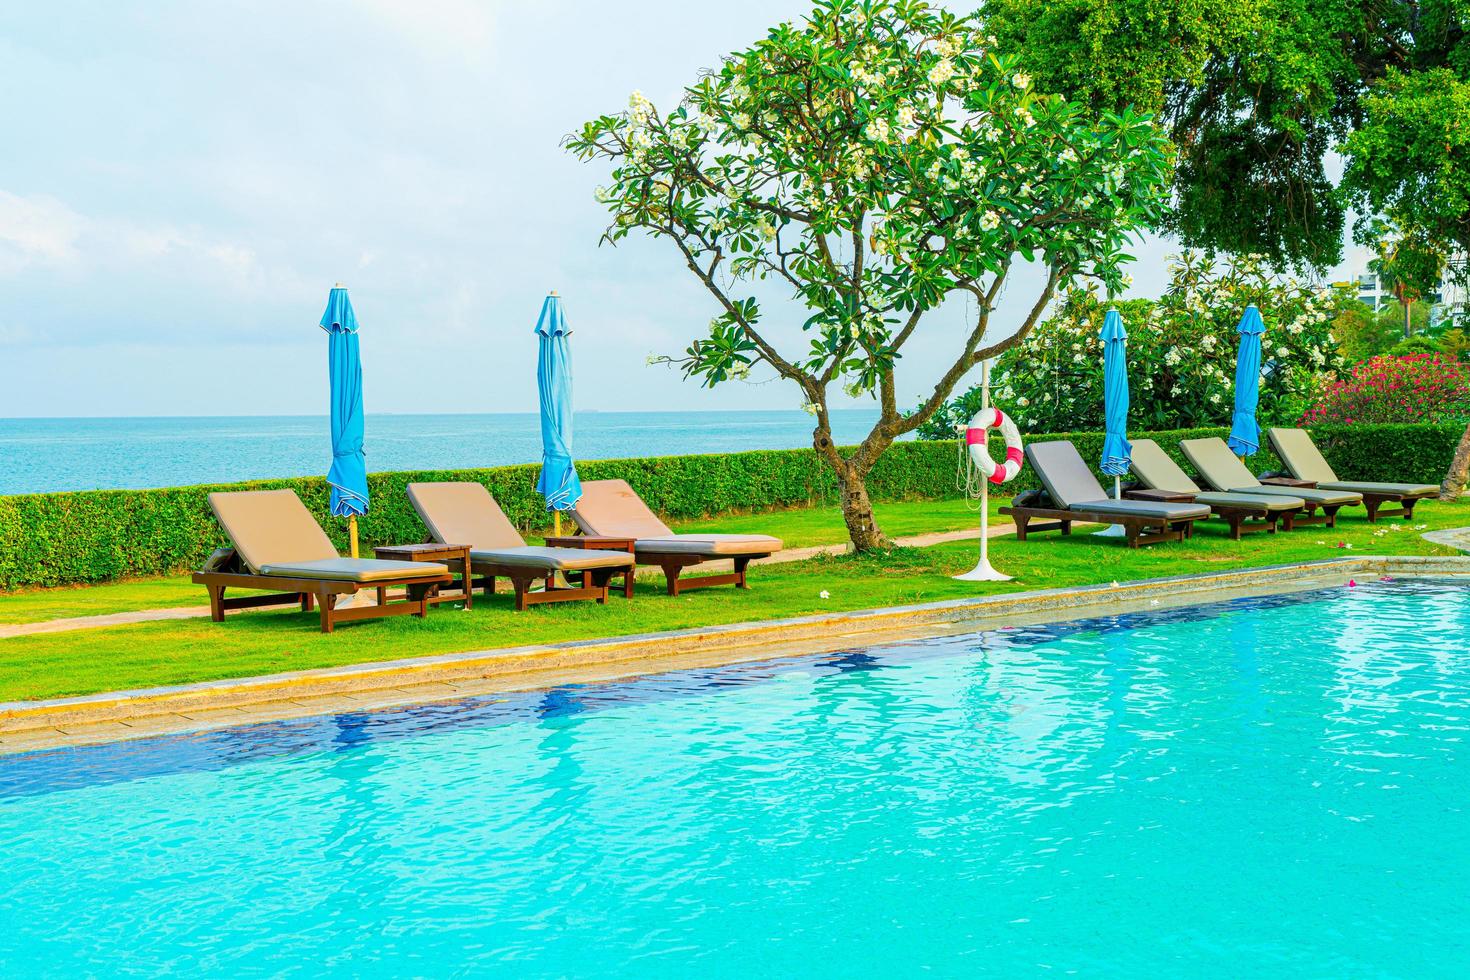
[(448, 554), (1288, 481), (599, 542)]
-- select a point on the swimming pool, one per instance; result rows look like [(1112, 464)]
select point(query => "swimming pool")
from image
[(1267, 786)]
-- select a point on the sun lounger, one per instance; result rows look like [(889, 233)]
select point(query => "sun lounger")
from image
[(1073, 494), (611, 508), (280, 549), (1305, 461), (1223, 470), (1166, 481), (466, 513)]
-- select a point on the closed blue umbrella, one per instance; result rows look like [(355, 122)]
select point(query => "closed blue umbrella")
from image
[(558, 482), (1245, 434), (1117, 451), (348, 475)]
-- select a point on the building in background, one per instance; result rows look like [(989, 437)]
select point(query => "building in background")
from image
[(1448, 300)]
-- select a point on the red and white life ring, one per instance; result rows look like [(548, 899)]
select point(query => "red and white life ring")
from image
[(975, 436)]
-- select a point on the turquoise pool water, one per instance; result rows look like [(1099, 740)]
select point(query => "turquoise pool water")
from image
[(1268, 787)]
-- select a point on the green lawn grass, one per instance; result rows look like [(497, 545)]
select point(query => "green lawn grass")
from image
[(796, 528), (181, 651)]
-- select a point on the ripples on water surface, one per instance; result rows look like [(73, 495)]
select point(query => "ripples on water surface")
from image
[(1261, 787)]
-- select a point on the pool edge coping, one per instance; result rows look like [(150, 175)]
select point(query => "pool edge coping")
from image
[(120, 715)]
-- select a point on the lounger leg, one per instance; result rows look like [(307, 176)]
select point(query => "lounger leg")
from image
[(1066, 527), (216, 602), (328, 602), (522, 585), (1409, 503), (740, 564), (306, 602), (1021, 522), (671, 576), (1271, 523), (1130, 529), (1288, 520), (1235, 521), (1371, 505), (382, 596), (1331, 513), (628, 584)]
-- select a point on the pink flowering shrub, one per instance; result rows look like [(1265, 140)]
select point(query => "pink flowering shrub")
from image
[(1408, 388)]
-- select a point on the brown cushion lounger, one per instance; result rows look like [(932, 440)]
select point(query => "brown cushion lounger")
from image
[(279, 548), (611, 508), (1075, 495), (1223, 470), (466, 513), (1305, 462), (1157, 471)]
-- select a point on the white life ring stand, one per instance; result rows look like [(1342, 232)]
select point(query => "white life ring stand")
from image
[(976, 435)]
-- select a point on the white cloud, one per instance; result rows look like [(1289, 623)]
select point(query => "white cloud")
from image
[(36, 229)]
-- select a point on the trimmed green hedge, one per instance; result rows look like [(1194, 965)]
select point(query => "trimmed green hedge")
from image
[(71, 538)]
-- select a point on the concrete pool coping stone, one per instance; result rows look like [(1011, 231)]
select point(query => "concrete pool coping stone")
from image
[(120, 715)]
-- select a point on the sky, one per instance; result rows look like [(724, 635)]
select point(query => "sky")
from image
[(183, 182)]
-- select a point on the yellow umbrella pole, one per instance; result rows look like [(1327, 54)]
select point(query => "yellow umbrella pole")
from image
[(352, 533), (556, 523)]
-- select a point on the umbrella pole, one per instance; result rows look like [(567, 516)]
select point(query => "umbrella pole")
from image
[(1113, 530), (556, 523), (352, 533)]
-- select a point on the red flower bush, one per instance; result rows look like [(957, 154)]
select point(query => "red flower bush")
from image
[(1408, 388)]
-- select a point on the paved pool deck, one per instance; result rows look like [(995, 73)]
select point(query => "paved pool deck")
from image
[(80, 721)]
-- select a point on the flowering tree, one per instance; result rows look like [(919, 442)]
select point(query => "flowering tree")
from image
[(1410, 388), (873, 160), (1181, 354)]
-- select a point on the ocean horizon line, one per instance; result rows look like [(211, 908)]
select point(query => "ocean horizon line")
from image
[(370, 413)]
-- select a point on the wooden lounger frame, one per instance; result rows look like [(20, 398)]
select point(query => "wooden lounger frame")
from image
[(594, 583), (1372, 501), (674, 564), (323, 593), (1139, 529), (1241, 518)]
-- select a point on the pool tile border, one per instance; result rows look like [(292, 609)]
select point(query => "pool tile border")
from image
[(30, 725)]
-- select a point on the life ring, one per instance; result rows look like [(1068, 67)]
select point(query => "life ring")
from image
[(980, 426)]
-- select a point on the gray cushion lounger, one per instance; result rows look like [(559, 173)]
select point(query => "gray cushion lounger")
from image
[(466, 513), (1077, 496), (1305, 462), (611, 508), (1157, 470), (279, 546), (1223, 470)]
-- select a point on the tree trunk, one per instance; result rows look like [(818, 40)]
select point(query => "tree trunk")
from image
[(1459, 471), (852, 489), (857, 513), (1408, 328)]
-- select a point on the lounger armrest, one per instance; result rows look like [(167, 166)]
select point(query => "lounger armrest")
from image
[(1161, 496), (1288, 481)]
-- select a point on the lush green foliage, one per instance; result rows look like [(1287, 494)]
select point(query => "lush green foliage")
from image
[(1409, 159), (1181, 355), (1256, 94), (871, 161), (1408, 388), (72, 538)]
